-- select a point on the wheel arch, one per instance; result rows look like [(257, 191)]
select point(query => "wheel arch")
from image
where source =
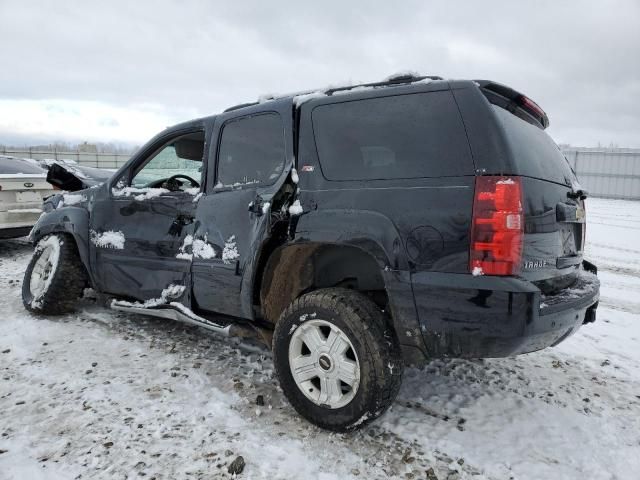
[(367, 239), (73, 221), (297, 268)]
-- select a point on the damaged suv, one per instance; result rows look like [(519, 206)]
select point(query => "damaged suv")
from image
[(354, 230)]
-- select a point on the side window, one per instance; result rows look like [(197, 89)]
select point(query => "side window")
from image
[(403, 136), (251, 151), (176, 166)]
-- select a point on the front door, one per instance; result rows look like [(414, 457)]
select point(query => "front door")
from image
[(138, 229), (234, 217)]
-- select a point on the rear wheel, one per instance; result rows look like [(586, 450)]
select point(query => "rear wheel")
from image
[(55, 276), (338, 362)]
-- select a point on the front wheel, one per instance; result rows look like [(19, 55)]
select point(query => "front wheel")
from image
[(338, 362), (55, 276)]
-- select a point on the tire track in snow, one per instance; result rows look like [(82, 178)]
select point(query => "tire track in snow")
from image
[(612, 247)]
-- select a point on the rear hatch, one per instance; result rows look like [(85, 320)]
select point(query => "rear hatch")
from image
[(553, 201)]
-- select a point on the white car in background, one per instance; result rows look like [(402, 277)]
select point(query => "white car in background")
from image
[(23, 186)]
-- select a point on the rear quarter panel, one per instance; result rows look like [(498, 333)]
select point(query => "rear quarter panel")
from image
[(408, 225)]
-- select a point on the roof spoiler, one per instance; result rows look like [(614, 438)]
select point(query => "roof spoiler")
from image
[(513, 100)]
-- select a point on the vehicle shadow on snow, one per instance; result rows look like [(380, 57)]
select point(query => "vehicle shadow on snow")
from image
[(438, 390), (12, 247)]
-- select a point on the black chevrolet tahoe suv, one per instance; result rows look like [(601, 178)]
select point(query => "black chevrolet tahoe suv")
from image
[(353, 230)]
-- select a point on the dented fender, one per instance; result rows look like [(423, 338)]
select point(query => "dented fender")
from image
[(71, 220), (377, 235), (372, 232)]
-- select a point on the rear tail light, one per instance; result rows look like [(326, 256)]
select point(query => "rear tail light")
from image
[(497, 226), (531, 106)]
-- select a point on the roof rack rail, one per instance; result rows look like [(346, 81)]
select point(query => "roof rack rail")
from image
[(393, 80), (239, 106), (398, 79)]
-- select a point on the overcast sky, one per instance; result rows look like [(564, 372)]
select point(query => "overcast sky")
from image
[(123, 70)]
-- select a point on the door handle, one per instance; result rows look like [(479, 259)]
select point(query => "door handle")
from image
[(256, 206), (176, 226)]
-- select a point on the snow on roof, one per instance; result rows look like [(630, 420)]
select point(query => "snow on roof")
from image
[(300, 99), (402, 74), (412, 77)]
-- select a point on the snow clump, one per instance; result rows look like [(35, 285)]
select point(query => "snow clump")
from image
[(296, 208), (300, 99), (139, 193), (182, 251), (200, 248), (230, 251), (401, 74), (53, 243), (69, 199), (108, 239), (170, 293), (477, 271)]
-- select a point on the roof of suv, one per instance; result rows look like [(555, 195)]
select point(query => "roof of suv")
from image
[(495, 93), (403, 79)]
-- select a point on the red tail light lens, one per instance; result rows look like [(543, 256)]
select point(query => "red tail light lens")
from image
[(497, 226), (532, 106)]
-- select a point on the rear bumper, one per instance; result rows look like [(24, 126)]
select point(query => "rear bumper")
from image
[(482, 317), (26, 215)]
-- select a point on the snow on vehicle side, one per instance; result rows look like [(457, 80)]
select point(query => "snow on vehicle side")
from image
[(108, 239)]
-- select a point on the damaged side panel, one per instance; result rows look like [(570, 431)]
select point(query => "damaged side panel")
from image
[(223, 219), (138, 258), (143, 215), (243, 201), (375, 236)]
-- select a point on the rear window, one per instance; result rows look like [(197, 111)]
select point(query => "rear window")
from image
[(13, 166), (535, 153), (403, 136)]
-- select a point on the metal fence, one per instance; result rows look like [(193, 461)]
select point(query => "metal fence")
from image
[(603, 172), (89, 159), (607, 172)]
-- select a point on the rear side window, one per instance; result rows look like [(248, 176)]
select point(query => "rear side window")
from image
[(403, 136), (534, 152), (251, 151)]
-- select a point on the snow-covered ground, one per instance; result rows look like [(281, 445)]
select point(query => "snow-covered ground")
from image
[(102, 394)]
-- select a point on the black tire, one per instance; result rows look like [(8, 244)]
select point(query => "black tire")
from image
[(374, 342), (68, 278)]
